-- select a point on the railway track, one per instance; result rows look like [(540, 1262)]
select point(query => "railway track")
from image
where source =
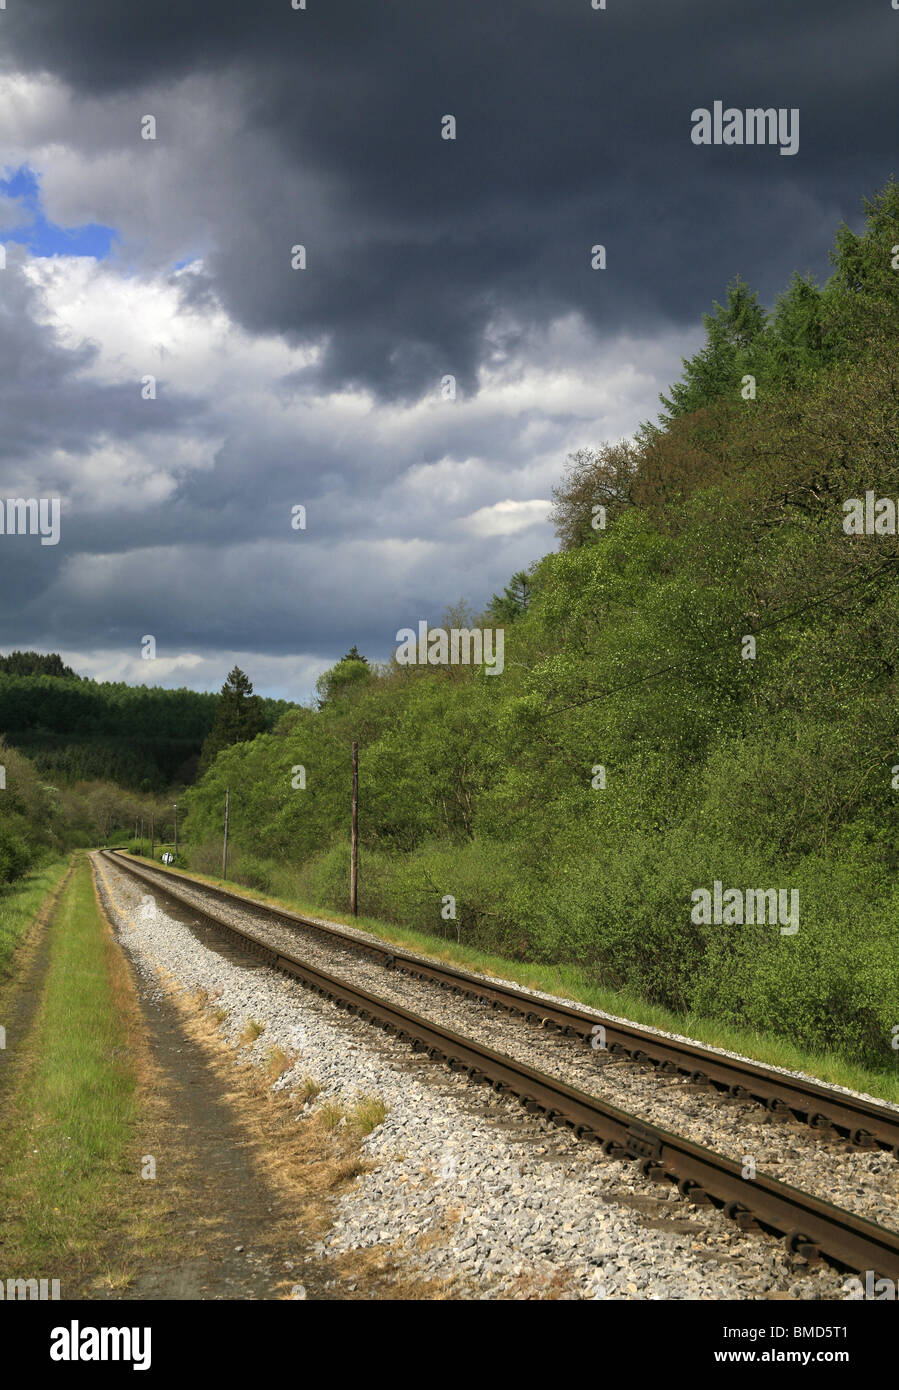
[(862, 1123), (812, 1227)]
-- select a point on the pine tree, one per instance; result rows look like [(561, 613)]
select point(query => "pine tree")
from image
[(513, 601), (733, 332), (861, 300), (796, 340), (238, 719)]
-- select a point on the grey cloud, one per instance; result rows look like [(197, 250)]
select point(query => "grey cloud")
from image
[(573, 128)]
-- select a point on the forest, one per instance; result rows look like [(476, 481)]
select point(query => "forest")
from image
[(700, 689), (84, 763), (141, 737)]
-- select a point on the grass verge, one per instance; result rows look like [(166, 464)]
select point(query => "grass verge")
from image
[(21, 901), (65, 1176)]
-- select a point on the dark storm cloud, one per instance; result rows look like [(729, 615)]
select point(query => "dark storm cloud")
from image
[(425, 257), (573, 128)]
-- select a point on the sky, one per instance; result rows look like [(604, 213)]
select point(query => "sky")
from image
[(426, 258)]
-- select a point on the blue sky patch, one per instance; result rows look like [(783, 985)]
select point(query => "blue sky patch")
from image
[(43, 238)]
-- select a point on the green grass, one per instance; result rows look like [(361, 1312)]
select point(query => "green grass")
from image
[(367, 1112), (571, 982), (20, 902), (63, 1157)]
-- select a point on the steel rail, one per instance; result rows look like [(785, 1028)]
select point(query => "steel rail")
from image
[(863, 1123), (812, 1227)]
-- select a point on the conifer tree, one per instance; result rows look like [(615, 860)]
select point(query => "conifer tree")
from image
[(514, 600), (239, 717), (733, 331)]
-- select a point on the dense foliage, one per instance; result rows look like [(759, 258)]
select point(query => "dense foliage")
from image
[(31, 819), (38, 820), (102, 758), (35, 664)]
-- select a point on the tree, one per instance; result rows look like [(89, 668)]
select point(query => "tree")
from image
[(514, 600), (862, 296), (595, 478), (796, 339), (733, 331), (350, 673), (238, 719)]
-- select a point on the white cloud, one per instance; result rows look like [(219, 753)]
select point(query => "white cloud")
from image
[(508, 517), (278, 677)]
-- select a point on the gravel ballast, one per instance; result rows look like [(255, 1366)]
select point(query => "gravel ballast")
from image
[(467, 1188), (865, 1182)]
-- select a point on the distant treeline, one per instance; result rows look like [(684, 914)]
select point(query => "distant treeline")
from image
[(38, 819), (74, 728), (35, 664)]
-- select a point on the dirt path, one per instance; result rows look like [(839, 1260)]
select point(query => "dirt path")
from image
[(225, 1184), (244, 1182), (231, 1233)]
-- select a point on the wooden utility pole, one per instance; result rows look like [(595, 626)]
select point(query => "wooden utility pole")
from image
[(153, 836), (225, 843), (142, 835), (175, 809), (354, 835)]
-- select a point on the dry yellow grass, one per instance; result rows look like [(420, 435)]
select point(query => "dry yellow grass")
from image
[(307, 1090), (277, 1062), (329, 1116), (252, 1031)]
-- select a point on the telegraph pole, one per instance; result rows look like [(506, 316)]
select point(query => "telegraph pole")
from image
[(225, 843), (354, 835), (153, 836), (175, 809)]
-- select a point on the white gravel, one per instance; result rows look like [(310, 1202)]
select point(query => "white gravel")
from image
[(467, 1187), (866, 1182)]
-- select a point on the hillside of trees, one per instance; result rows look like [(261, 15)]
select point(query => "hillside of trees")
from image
[(701, 690), (72, 728), (104, 756), (38, 819)]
